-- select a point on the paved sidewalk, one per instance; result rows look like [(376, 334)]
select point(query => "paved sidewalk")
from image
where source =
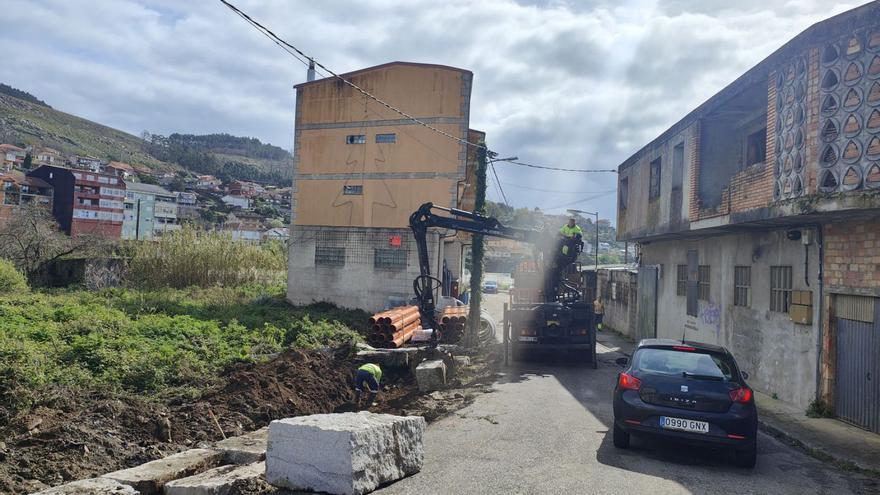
[(825, 438)]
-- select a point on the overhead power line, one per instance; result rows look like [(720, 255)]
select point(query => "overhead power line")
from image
[(583, 170), (498, 182), (557, 191)]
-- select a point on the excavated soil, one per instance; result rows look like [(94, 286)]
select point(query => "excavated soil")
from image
[(73, 435)]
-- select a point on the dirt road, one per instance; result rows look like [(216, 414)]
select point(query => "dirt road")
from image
[(545, 429)]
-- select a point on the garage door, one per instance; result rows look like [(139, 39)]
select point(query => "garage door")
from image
[(858, 361)]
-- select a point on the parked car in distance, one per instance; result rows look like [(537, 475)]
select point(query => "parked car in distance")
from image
[(490, 287), (687, 391)]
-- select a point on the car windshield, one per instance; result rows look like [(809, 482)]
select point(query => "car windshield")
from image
[(674, 362)]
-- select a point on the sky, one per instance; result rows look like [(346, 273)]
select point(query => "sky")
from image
[(572, 84)]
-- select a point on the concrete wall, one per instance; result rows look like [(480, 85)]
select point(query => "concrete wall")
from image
[(357, 283), (618, 289), (780, 355)]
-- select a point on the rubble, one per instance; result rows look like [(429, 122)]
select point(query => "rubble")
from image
[(350, 453)]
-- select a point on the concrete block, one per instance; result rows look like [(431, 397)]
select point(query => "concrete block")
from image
[(350, 453), (431, 375), (149, 478), (223, 480), (244, 449), (93, 486), (390, 358)]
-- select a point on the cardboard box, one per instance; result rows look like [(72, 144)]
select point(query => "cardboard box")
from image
[(801, 314)]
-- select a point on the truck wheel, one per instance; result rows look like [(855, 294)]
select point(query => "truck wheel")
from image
[(593, 358), (621, 438)]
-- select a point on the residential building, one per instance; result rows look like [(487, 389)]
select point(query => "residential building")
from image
[(85, 202), (47, 156), (360, 170), (237, 201), (17, 189), (13, 156), (277, 234), (758, 220), (207, 182), (120, 169), (187, 205), (89, 163), (165, 213), (245, 226), (140, 201), (244, 188)]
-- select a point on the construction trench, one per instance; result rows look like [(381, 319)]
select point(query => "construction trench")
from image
[(216, 442)]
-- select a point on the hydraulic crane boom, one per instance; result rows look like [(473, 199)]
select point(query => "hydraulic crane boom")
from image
[(425, 284)]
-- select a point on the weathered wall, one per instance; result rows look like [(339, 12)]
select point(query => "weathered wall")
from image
[(618, 289), (357, 283), (779, 354)]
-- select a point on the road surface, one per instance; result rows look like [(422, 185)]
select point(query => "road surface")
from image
[(545, 428)]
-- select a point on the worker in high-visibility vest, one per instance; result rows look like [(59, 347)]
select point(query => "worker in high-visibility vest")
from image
[(368, 376), (571, 232)]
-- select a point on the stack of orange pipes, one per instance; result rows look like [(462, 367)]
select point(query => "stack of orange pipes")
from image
[(452, 323), (395, 327)]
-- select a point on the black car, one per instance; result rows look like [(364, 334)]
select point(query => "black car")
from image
[(688, 391)]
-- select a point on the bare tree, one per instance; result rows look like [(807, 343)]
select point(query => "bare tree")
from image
[(32, 240)]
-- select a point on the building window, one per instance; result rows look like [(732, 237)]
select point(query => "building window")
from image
[(355, 139), (681, 278), (623, 192), (742, 285), (655, 180), (391, 259), (756, 147), (386, 138), (703, 283), (780, 288), (353, 190), (329, 256)]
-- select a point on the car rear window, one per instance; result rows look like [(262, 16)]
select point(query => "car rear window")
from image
[(674, 362)]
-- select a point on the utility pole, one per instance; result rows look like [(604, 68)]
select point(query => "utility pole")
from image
[(473, 322)]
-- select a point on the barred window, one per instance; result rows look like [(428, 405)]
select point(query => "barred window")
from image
[(386, 138), (654, 190), (355, 139), (703, 283), (329, 256), (681, 278), (390, 259), (742, 285), (357, 190), (780, 288)]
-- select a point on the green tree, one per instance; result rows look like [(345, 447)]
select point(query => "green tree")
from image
[(28, 162)]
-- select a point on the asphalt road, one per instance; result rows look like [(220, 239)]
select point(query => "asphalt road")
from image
[(545, 428)]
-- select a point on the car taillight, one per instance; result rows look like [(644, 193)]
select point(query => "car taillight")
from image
[(742, 395), (684, 348), (628, 382)]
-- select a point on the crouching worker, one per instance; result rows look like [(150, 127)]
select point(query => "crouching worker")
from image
[(369, 376)]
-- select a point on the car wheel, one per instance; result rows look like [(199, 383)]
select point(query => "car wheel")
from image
[(747, 457), (621, 438)]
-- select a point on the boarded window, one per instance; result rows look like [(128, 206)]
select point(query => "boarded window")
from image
[(386, 138), (681, 279), (329, 256), (353, 190), (756, 147), (355, 139), (623, 192), (780, 288), (742, 285), (389, 259), (703, 281), (655, 179)]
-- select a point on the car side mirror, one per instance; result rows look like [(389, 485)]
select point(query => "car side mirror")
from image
[(622, 362), (745, 375)]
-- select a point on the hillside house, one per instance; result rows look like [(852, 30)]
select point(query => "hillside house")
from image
[(758, 220), (208, 182), (120, 169), (236, 201), (245, 226), (17, 189), (13, 156), (47, 156), (85, 202)]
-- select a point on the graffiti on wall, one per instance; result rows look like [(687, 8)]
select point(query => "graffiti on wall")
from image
[(710, 314)]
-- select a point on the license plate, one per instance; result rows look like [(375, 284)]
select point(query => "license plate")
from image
[(528, 339), (684, 424)]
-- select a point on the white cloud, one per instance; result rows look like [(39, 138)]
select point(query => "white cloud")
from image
[(566, 83)]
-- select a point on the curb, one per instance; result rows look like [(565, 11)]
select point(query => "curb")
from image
[(814, 451)]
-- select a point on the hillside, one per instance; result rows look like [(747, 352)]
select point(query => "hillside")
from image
[(23, 122)]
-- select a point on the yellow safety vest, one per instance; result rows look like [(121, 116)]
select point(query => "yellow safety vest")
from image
[(372, 369), (571, 231)]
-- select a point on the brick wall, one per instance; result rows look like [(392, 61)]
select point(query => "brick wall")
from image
[(852, 256), (694, 183), (811, 158)]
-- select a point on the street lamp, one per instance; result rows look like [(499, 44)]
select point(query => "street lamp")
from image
[(596, 213)]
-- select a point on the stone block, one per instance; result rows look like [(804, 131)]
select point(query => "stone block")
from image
[(350, 453), (244, 449), (431, 375), (149, 478), (93, 486), (390, 358), (223, 480)]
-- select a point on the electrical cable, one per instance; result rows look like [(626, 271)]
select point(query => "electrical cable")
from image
[(498, 183), (530, 165), (517, 186)]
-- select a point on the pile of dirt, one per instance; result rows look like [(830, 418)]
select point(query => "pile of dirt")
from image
[(74, 434)]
